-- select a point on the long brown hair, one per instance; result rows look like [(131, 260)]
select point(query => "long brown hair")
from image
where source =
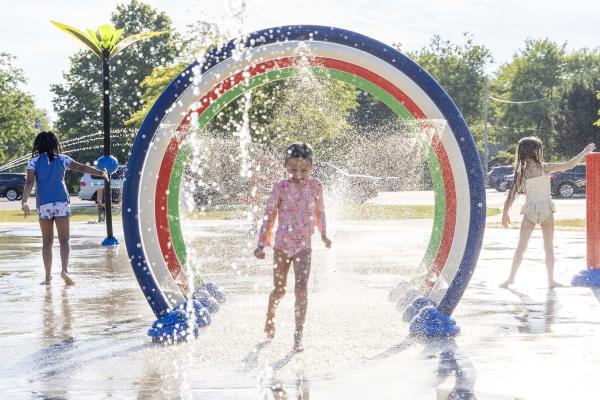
[(528, 148)]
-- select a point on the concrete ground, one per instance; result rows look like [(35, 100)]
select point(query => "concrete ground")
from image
[(89, 341)]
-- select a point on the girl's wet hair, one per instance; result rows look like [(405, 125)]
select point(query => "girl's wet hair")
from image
[(46, 142), (528, 148), (299, 150)]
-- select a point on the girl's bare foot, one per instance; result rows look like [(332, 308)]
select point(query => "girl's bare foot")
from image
[(507, 283), (67, 278), (270, 327), (553, 284), (47, 281), (298, 346)]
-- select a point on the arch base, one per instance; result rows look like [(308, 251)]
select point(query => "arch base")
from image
[(587, 278), (430, 322)]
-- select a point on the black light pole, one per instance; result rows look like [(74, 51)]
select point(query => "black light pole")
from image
[(107, 153), (106, 42)]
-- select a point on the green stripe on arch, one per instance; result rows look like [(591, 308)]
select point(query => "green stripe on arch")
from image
[(229, 96)]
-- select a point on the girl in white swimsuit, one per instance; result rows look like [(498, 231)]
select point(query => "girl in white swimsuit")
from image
[(532, 176)]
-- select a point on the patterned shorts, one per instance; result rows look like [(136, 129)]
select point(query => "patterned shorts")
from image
[(54, 210)]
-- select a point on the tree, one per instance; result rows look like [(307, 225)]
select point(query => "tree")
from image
[(460, 70), (78, 102), (534, 73), (308, 107), (574, 122), (597, 123), (19, 118), (577, 105)]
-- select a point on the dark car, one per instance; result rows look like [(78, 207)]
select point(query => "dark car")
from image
[(11, 185), (562, 184), (567, 183), (354, 188), (496, 176)]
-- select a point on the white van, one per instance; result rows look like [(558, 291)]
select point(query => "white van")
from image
[(89, 185)]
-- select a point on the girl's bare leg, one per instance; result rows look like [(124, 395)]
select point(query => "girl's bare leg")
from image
[(302, 263), (47, 228), (63, 229), (526, 231), (548, 233), (281, 267)]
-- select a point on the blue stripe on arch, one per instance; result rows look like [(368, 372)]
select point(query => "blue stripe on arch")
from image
[(131, 192), (324, 34)]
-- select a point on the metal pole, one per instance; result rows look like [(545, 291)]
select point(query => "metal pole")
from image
[(486, 155), (106, 125)]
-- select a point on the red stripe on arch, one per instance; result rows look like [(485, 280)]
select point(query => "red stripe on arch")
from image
[(450, 219), (164, 176)]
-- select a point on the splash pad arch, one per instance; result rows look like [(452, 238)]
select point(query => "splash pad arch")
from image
[(151, 195)]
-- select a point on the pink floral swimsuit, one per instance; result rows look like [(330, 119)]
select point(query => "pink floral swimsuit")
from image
[(299, 211)]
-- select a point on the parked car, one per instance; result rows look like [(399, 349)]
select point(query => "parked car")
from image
[(496, 175), (89, 185), (562, 184), (354, 188), (11, 185), (567, 183)]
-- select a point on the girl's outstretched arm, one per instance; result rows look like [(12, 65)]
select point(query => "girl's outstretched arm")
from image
[(264, 235), (85, 169), (564, 166), (321, 221)]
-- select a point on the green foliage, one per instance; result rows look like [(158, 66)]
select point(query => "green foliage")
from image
[(460, 70), (151, 87), (503, 158), (565, 82), (307, 108), (597, 123), (534, 73), (577, 107), (18, 114)]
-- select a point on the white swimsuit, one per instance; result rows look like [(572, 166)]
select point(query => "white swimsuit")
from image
[(538, 200)]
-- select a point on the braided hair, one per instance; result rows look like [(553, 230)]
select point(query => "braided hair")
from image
[(46, 142), (528, 148), (299, 150)]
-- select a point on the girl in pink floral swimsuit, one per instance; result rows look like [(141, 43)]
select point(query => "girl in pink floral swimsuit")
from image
[(298, 202)]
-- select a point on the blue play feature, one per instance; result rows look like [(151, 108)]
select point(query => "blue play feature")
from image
[(186, 321), (431, 322), (109, 163), (587, 278), (415, 306)]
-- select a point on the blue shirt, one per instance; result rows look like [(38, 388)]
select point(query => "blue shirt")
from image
[(50, 178)]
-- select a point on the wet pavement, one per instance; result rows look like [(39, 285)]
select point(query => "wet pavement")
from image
[(89, 341)]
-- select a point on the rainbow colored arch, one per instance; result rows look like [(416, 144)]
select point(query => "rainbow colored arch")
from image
[(151, 197)]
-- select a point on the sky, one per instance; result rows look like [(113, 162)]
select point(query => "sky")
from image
[(502, 26)]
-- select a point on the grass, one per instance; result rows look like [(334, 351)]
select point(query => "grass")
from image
[(353, 212), (216, 214), (576, 224), (385, 212), (360, 212)]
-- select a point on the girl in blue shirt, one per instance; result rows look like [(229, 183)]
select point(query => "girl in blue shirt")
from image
[(47, 168)]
